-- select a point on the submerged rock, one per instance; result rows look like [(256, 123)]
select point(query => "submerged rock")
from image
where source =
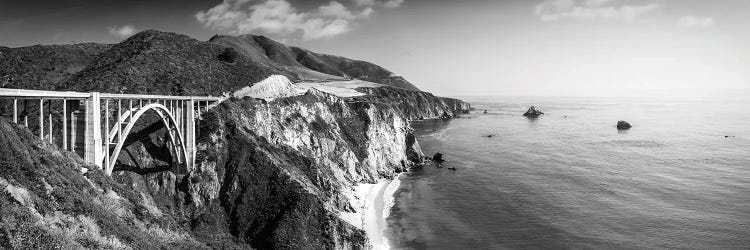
[(438, 157), (533, 112), (623, 125)]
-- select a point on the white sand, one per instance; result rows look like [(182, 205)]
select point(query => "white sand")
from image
[(373, 203)]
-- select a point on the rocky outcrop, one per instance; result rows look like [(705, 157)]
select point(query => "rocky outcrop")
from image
[(533, 112), (438, 157), (623, 125), (414, 105), (277, 171)]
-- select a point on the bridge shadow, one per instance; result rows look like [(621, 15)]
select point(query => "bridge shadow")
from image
[(159, 151), (142, 171)]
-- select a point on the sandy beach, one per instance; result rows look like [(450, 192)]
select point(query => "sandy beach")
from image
[(373, 203)]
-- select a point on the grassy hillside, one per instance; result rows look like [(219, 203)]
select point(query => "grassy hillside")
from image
[(45, 66), (46, 202), (168, 63)]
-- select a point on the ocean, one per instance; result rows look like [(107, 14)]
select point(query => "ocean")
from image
[(679, 179)]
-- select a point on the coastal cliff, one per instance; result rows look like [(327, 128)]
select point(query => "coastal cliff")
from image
[(415, 105), (277, 172), (280, 171)]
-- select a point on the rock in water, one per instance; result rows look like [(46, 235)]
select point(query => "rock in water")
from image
[(533, 112), (623, 125), (438, 157)]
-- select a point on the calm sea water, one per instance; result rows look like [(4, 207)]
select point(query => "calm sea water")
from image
[(570, 180)]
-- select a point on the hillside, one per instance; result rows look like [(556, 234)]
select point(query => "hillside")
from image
[(45, 66), (309, 65), (168, 63), (46, 202)]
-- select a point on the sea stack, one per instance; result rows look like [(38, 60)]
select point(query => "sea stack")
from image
[(623, 125), (533, 112), (438, 157)]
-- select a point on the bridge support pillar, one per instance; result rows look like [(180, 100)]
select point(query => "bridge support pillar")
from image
[(190, 135), (93, 134)]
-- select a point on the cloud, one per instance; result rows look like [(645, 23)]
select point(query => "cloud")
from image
[(387, 4), (393, 3), (696, 22), (320, 28), (335, 9), (280, 17), (122, 32), (554, 10), (365, 2)]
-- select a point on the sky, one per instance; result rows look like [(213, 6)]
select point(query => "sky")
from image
[(449, 47)]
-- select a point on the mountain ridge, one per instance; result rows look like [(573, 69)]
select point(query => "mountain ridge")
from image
[(179, 64)]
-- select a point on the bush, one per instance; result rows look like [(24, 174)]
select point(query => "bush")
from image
[(229, 55)]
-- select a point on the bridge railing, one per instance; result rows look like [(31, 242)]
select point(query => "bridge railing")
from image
[(82, 112)]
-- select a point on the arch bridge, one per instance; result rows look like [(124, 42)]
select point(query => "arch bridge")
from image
[(97, 125)]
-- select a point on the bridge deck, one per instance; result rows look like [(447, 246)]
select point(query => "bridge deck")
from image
[(21, 93), (179, 115)]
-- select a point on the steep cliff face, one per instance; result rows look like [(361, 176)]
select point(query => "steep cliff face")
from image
[(279, 171)]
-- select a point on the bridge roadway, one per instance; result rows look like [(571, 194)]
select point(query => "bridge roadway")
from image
[(86, 120)]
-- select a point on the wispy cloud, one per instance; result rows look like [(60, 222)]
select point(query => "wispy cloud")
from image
[(554, 10), (123, 31), (387, 3), (280, 17), (696, 22), (393, 3)]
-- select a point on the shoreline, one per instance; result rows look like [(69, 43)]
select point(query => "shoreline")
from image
[(388, 202), (373, 203)]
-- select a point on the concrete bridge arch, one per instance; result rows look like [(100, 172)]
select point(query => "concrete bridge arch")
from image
[(100, 143), (129, 118)]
